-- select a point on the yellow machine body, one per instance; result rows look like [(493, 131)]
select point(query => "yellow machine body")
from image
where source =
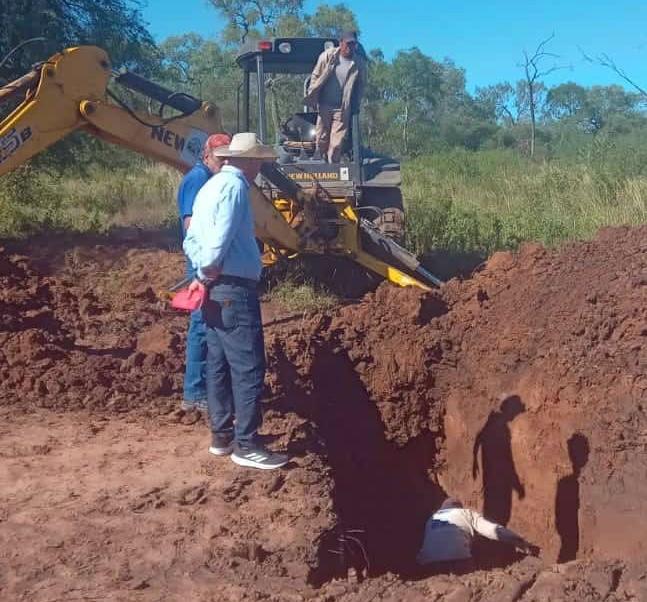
[(69, 92)]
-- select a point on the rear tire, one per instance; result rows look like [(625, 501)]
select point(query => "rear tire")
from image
[(390, 219)]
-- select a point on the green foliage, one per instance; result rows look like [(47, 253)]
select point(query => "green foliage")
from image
[(33, 201), (115, 25), (565, 100), (29, 203), (250, 19), (331, 20), (290, 284), (204, 69), (457, 201), (461, 201), (301, 296), (468, 184)]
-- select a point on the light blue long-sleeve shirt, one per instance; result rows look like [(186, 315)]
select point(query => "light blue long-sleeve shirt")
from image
[(221, 234)]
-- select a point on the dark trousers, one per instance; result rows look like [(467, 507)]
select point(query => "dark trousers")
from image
[(235, 361)]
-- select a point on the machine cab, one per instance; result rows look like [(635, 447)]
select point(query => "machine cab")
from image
[(295, 137), (369, 181)]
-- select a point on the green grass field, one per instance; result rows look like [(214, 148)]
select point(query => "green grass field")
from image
[(490, 200), (458, 201)]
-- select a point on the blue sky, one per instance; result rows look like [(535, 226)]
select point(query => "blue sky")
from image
[(486, 38)]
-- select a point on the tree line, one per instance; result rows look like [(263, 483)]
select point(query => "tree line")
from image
[(415, 103)]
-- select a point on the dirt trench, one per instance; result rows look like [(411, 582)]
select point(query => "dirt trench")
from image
[(521, 390)]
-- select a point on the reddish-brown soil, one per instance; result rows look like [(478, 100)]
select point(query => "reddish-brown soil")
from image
[(522, 390)]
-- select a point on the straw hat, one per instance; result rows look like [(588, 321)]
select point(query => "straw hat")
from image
[(246, 146)]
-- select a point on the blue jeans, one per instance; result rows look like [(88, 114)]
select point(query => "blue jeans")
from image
[(195, 381), (235, 361)]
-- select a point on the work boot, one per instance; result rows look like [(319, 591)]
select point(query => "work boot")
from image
[(222, 444), (256, 456)]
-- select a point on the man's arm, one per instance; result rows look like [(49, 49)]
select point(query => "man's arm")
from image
[(219, 231), (318, 70), (497, 532)]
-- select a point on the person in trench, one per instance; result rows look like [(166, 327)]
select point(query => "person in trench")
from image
[(449, 533)]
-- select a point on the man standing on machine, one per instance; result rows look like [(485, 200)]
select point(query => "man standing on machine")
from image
[(336, 87)]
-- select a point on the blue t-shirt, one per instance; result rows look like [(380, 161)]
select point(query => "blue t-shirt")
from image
[(195, 179)]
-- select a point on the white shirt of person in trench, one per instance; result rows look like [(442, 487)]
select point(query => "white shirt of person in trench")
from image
[(449, 533)]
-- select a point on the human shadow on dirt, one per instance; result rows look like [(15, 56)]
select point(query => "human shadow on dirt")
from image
[(382, 493), (567, 499), (499, 477)]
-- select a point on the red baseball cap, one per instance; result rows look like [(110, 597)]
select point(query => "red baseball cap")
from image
[(216, 141)]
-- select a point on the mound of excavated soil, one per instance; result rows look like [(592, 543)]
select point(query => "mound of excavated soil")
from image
[(531, 380), (90, 332), (521, 390), (545, 394)]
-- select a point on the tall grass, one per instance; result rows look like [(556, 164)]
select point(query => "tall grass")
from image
[(464, 201), (457, 201), (33, 201)]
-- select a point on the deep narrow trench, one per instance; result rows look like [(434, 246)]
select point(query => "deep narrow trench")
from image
[(382, 494)]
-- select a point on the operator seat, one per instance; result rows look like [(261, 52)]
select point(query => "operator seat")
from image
[(298, 132)]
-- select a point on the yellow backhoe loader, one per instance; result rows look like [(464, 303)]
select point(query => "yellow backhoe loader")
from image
[(75, 90)]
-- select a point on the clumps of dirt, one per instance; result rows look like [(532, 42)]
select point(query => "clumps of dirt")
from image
[(361, 382), (521, 390), (388, 342), (544, 391), (90, 333), (393, 339)]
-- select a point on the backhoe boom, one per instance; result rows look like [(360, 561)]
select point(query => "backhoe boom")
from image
[(70, 92)]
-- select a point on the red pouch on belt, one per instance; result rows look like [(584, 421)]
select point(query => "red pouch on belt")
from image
[(186, 300)]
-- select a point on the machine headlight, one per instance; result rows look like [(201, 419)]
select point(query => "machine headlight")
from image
[(285, 47)]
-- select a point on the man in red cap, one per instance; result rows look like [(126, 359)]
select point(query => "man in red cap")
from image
[(195, 389)]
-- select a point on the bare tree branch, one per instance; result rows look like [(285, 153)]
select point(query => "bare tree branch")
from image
[(605, 60), (533, 73)]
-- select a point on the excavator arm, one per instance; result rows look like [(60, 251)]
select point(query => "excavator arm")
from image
[(70, 91)]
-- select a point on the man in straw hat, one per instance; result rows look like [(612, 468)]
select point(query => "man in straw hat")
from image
[(223, 249), (195, 387)]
